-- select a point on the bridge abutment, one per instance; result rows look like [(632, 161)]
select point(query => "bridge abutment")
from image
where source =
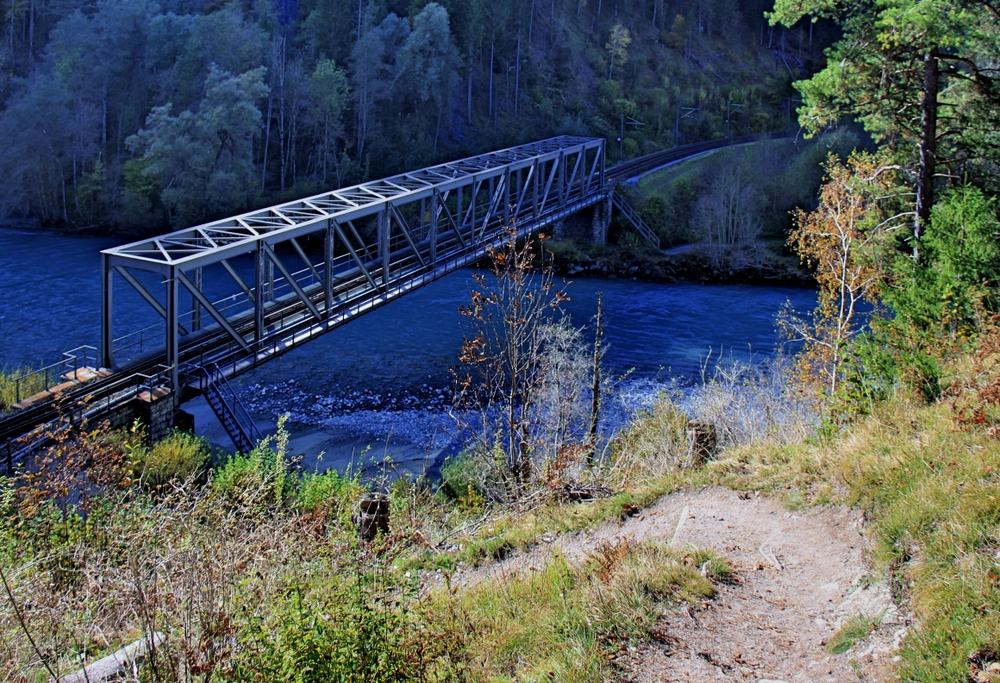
[(589, 226), (154, 409)]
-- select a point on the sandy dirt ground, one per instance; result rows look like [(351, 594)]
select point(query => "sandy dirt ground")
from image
[(799, 576)]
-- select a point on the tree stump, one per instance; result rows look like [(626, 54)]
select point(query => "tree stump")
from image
[(702, 442), (372, 516)]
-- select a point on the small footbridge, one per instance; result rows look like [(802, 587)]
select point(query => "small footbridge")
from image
[(230, 295)]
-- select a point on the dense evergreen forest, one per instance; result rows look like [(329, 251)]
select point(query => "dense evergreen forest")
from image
[(138, 115)]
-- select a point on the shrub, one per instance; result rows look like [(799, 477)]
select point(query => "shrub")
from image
[(259, 480), (179, 457), (346, 630), (462, 480), (330, 494)]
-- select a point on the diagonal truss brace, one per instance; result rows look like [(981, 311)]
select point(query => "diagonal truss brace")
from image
[(144, 293), (212, 310), (299, 292), (354, 255), (407, 234)]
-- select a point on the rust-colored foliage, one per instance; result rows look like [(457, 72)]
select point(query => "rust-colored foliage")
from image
[(501, 371), (79, 464), (975, 401)]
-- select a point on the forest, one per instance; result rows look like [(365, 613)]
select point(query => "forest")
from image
[(134, 116)]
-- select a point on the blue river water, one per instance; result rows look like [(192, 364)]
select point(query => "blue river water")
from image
[(51, 303), (396, 357)]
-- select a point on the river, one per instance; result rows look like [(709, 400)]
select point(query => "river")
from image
[(384, 378)]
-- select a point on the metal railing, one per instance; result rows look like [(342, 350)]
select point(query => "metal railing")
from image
[(94, 406), (228, 407), (623, 204), (62, 371)]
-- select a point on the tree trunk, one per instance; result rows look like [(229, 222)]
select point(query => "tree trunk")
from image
[(595, 407), (492, 47), (517, 78), (267, 139), (531, 21), (437, 129), (928, 149), (31, 33)]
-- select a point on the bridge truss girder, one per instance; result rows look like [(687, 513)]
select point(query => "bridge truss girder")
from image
[(376, 240)]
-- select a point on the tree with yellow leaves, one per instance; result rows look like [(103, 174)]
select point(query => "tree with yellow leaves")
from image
[(846, 240), (617, 47)]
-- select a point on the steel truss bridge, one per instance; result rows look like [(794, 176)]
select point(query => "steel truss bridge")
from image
[(302, 268)]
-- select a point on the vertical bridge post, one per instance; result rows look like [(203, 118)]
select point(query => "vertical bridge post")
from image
[(107, 313)]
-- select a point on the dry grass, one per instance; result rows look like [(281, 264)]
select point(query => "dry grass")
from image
[(211, 566), (571, 623), (931, 493)]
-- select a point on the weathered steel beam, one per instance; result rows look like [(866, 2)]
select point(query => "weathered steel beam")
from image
[(302, 255), (147, 297), (401, 221), (354, 255), (238, 280), (107, 313)]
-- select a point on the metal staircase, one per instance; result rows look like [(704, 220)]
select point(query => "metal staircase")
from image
[(229, 409), (621, 201)]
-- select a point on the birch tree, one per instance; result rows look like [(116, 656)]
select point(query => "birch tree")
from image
[(617, 47)]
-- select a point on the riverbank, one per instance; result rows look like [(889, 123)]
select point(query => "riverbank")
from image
[(541, 584), (766, 264)]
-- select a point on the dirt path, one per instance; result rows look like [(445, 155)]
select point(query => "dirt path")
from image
[(799, 577)]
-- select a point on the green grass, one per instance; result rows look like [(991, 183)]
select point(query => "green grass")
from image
[(519, 531), (854, 631), (659, 184), (565, 622), (179, 457)]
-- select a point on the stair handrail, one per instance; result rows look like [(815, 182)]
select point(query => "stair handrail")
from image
[(249, 433), (634, 218)]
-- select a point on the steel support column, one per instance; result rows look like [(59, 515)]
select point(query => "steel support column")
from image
[(107, 312), (328, 247), (173, 334), (260, 262), (536, 172), (268, 280), (383, 245), (433, 230), (195, 306)]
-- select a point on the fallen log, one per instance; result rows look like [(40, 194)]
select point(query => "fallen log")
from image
[(117, 664)]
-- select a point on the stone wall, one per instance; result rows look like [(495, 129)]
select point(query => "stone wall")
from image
[(156, 411), (589, 226)]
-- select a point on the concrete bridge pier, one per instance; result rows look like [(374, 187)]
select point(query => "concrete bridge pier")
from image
[(589, 226)]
